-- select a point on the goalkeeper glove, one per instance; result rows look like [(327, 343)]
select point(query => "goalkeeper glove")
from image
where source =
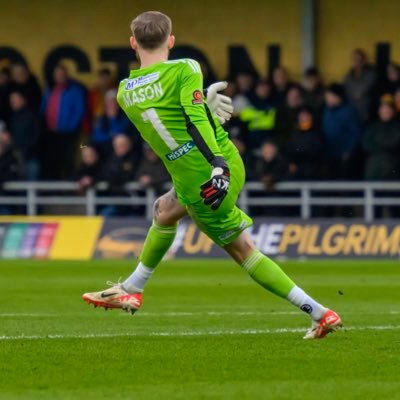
[(216, 188), (220, 105)]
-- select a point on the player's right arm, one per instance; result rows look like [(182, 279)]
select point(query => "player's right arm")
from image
[(200, 126)]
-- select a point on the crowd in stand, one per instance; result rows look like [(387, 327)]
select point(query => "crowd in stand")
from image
[(285, 130)]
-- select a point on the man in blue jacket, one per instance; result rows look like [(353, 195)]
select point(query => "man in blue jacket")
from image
[(342, 132), (63, 108)]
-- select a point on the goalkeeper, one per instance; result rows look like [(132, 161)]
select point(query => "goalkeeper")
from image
[(165, 101)]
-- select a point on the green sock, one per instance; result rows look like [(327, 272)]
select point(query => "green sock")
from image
[(268, 274), (159, 239)]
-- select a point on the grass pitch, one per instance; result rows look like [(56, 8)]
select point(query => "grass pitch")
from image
[(205, 331)]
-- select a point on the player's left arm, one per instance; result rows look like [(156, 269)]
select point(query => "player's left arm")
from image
[(201, 127)]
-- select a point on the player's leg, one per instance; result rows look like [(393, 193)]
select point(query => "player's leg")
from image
[(270, 276), (167, 213)]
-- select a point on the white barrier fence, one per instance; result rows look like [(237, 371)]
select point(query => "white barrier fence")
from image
[(304, 195)]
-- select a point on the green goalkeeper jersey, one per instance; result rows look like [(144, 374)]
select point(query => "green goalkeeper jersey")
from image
[(166, 104)]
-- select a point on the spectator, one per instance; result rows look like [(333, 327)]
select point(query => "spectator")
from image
[(244, 92), (120, 167), (64, 107), (396, 98), (109, 124), (104, 83), (90, 169), (260, 115), (360, 85), (247, 157), (286, 118), (24, 127), (10, 166), (382, 143), (10, 163), (271, 167), (23, 80), (119, 170), (305, 147), (280, 80), (392, 79), (5, 110), (208, 78), (341, 129), (151, 172), (313, 90)]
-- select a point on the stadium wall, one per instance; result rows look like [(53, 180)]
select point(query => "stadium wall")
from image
[(84, 238), (95, 33)]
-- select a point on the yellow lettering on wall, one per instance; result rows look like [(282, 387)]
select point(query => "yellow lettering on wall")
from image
[(291, 235), (369, 240), (355, 236), (304, 239), (385, 243), (312, 248), (333, 239)]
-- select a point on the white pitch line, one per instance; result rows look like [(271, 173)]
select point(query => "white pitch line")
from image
[(166, 314), (11, 315), (185, 314), (191, 333)]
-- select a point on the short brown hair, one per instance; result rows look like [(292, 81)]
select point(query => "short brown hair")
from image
[(151, 29)]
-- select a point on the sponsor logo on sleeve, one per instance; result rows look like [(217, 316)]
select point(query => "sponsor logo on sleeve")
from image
[(197, 97), (141, 81)]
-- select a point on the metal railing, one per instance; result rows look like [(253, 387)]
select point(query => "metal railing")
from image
[(304, 195)]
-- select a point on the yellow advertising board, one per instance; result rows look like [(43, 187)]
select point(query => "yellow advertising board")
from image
[(55, 238)]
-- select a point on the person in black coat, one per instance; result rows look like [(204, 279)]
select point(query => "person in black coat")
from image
[(305, 147), (24, 127), (22, 79), (120, 169), (5, 110), (10, 166), (10, 162), (381, 141)]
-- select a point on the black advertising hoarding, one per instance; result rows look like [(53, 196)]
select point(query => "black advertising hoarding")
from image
[(124, 238)]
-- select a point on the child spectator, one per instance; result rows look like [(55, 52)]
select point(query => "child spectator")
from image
[(271, 167), (89, 170)]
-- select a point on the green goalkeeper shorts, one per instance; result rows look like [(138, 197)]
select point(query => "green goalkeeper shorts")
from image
[(226, 223)]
